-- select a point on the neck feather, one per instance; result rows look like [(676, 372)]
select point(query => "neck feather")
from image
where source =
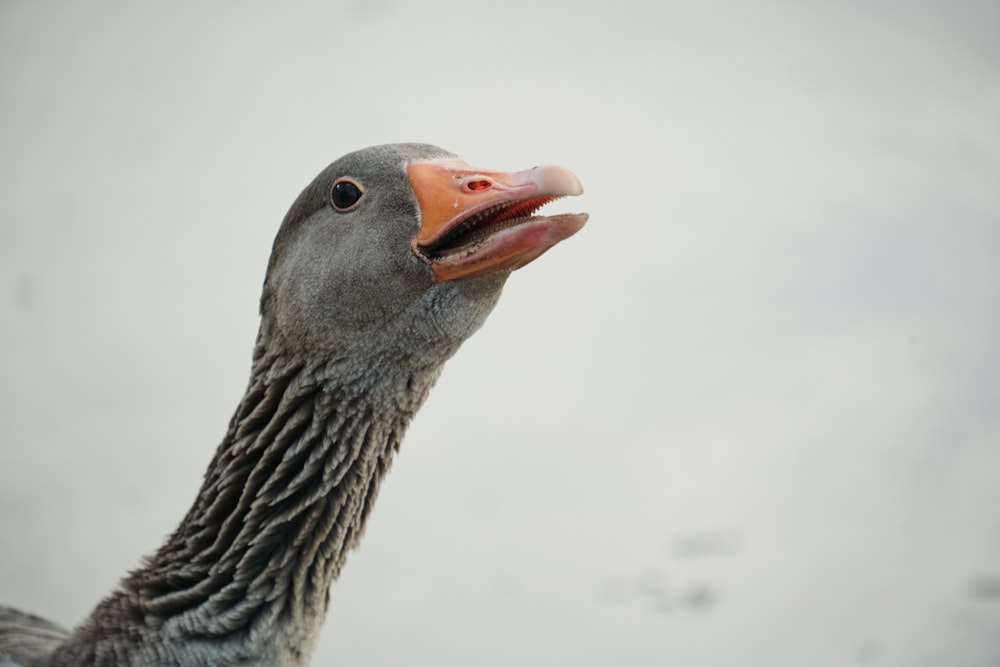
[(246, 575)]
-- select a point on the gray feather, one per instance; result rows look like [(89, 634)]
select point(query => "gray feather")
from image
[(25, 639)]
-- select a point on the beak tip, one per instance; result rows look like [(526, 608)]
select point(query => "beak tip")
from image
[(558, 180)]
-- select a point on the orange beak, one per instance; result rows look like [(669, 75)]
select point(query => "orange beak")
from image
[(474, 222)]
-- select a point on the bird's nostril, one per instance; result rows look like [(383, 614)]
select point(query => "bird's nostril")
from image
[(479, 184)]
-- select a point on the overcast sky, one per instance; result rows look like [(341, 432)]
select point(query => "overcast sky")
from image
[(750, 415)]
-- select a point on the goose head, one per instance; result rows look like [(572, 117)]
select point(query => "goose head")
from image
[(405, 248)]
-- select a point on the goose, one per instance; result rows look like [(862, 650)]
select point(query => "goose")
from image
[(390, 259)]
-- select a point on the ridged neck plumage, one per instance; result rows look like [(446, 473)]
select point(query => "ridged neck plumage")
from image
[(246, 575)]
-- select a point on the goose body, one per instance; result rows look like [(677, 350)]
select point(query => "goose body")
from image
[(383, 266)]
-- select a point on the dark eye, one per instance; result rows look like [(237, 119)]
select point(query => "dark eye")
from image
[(345, 193)]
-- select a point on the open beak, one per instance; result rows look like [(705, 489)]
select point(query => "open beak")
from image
[(474, 222)]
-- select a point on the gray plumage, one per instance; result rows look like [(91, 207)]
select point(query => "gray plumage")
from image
[(354, 332)]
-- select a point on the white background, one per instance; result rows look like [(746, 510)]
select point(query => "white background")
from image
[(750, 415)]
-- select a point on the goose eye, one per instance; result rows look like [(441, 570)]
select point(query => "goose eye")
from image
[(345, 194)]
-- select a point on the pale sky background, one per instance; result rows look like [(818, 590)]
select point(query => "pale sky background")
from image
[(750, 415)]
